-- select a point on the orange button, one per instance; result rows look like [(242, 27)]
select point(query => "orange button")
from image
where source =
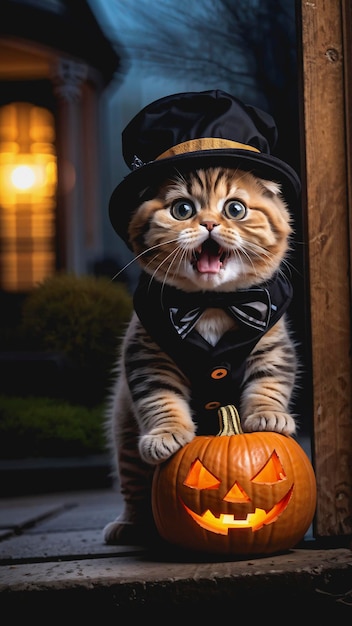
[(212, 405), (219, 372)]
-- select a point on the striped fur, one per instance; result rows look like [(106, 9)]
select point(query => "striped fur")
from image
[(149, 417)]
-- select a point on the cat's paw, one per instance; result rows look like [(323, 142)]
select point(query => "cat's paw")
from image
[(156, 448), (120, 533), (132, 534), (275, 421)]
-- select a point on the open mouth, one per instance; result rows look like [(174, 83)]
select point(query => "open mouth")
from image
[(209, 257)]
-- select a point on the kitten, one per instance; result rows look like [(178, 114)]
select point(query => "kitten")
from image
[(201, 238)]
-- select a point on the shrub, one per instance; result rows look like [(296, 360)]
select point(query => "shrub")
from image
[(83, 318), (43, 427)]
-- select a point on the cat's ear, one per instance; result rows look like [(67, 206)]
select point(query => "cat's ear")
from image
[(271, 186)]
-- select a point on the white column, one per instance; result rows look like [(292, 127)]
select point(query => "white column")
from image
[(69, 77)]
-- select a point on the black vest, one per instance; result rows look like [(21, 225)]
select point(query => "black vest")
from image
[(215, 372)]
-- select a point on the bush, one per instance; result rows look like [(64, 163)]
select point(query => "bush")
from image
[(43, 427), (83, 318)]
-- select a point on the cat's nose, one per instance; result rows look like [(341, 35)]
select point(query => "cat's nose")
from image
[(209, 225)]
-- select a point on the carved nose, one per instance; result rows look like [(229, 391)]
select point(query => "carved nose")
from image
[(209, 225)]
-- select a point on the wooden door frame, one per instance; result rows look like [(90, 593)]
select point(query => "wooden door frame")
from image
[(325, 51)]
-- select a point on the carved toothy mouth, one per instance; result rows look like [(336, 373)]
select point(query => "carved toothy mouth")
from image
[(225, 522)]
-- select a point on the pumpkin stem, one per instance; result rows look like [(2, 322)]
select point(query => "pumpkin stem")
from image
[(230, 423)]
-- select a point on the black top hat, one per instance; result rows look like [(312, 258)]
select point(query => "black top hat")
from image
[(186, 131)]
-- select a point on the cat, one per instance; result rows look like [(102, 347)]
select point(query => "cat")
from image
[(208, 233)]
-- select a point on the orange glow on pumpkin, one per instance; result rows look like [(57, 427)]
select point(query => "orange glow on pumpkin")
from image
[(225, 522), (235, 493), (271, 472), (200, 477)]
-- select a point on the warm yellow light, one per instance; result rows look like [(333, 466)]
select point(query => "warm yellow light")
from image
[(26, 177), (23, 177), (221, 524), (28, 184)]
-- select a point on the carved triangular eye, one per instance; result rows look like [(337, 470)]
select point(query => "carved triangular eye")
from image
[(200, 478), (272, 472)]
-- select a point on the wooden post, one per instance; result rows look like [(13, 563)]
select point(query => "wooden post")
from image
[(325, 49)]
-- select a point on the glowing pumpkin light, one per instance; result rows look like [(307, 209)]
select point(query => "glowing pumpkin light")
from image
[(235, 493)]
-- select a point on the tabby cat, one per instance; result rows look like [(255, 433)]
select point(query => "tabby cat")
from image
[(209, 329)]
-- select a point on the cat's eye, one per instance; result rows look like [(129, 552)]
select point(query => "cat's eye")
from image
[(235, 210), (182, 209)]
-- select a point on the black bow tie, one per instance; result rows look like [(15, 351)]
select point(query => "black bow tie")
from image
[(251, 307)]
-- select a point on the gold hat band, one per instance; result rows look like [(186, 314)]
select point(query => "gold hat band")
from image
[(204, 143)]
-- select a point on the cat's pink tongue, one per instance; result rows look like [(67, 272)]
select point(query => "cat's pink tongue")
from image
[(209, 263)]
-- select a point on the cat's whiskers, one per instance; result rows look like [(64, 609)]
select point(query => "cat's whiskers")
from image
[(259, 252), (140, 255), (174, 253), (179, 255), (242, 254), (290, 268), (182, 253)]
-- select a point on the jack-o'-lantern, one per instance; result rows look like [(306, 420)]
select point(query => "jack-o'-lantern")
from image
[(235, 493)]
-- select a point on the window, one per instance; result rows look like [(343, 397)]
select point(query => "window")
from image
[(28, 182)]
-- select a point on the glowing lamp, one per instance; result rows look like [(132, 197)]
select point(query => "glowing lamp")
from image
[(235, 493), (33, 175), (23, 177)]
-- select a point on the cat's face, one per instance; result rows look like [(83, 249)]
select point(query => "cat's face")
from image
[(212, 229)]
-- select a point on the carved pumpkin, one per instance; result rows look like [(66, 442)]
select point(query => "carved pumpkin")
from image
[(235, 493)]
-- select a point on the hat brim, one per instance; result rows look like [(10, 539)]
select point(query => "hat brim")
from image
[(127, 195)]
